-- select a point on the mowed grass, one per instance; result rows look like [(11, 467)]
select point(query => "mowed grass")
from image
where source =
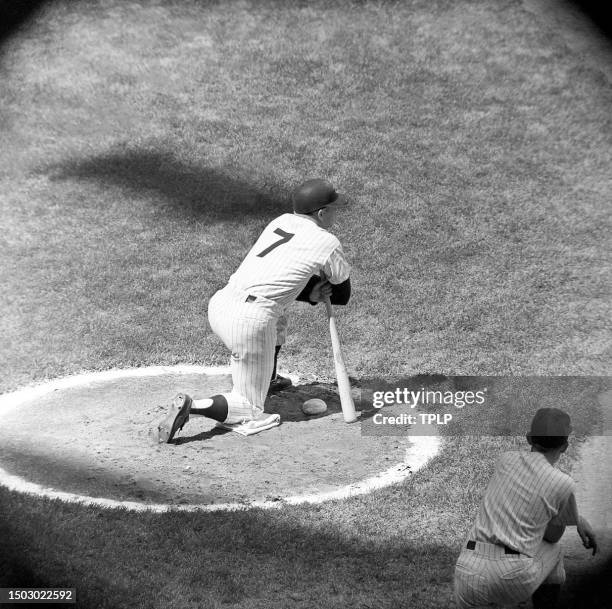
[(147, 145), (144, 147)]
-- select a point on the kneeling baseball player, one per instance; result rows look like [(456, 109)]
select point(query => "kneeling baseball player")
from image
[(295, 258), (512, 550)]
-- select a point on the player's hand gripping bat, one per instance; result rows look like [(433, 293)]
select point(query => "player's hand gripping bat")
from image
[(344, 387)]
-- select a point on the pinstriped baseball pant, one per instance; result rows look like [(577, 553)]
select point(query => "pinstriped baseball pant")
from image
[(247, 326), (488, 575), (281, 329)]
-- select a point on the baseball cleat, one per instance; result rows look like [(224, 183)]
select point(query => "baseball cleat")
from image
[(279, 383), (177, 417)]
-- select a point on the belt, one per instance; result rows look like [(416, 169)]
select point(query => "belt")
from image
[(471, 545)]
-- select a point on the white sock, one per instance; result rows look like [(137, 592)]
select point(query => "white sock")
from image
[(203, 403)]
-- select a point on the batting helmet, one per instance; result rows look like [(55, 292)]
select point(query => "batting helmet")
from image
[(315, 194)]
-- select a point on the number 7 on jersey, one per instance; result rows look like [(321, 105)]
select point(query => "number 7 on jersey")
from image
[(284, 237)]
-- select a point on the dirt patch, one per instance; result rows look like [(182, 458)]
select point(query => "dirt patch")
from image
[(94, 440)]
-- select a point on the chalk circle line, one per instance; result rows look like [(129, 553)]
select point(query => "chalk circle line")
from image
[(95, 426)]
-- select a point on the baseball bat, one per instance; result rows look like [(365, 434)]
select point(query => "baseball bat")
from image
[(344, 386)]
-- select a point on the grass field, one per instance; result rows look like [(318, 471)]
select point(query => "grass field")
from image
[(146, 144)]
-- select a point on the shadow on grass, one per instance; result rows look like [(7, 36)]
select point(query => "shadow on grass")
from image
[(24, 564), (262, 555), (589, 589), (16, 573), (18, 570), (303, 558), (179, 187)]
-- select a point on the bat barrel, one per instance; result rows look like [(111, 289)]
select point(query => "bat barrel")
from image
[(344, 386)]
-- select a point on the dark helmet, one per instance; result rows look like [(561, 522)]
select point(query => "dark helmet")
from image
[(315, 194)]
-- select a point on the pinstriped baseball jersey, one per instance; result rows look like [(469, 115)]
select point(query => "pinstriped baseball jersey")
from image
[(290, 250), (525, 493)]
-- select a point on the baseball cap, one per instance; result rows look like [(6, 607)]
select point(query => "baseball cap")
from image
[(315, 194), (550, 422)]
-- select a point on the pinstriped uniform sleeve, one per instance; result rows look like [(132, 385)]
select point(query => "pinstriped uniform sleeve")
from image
[(566, 515), (336, 268)]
